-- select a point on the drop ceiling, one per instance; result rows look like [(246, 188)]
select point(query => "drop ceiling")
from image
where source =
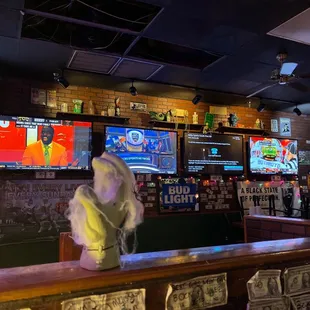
[(225, 46)]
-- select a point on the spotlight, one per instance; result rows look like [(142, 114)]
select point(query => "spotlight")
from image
[(59, 78), (261, 107), (297, 111), (196, 99), (133, 90)]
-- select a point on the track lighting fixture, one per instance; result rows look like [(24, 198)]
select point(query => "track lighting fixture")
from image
[(261, 107), (297, 111), (133, 90), (59, 78), (196, 99)]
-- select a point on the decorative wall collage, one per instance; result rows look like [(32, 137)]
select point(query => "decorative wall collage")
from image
[(36, 208), (32, 209)]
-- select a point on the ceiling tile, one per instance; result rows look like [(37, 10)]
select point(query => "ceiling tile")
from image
[(136, 69), (10, 22), (178, 76)]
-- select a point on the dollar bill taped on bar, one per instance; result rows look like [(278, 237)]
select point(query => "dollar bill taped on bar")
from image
[(265, 285), (198, 293), (280, 304), (123, 300), (81, 303), (297, 280), (301, 302)]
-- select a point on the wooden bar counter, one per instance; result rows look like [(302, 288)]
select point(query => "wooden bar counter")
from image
[(43, 287), (262, 228)]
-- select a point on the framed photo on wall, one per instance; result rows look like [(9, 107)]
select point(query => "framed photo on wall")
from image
[(285, 127), (38, 96), (274, 125)]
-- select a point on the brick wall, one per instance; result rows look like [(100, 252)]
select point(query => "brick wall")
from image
[(15, 96)]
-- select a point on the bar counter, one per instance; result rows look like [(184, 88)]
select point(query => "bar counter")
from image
[(263, 228), (46, 286)]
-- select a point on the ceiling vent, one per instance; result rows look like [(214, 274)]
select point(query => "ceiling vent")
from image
[(92, 62), (137, 69)]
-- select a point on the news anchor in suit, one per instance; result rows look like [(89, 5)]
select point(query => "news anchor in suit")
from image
[(45, 152)]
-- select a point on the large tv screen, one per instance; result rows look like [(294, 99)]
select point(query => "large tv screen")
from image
[(42, 143), (213, 153), (273, 155), (144, 150)]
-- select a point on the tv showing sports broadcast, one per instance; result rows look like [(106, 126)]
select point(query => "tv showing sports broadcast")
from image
[(44, 143), (213, 153), (273, 155), (144, 150)]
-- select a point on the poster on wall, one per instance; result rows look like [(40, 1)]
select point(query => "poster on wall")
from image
[(51, 95), (138, 106), (217, 196), (178, 197), (286, 196), (304, 158), (274, 125), (38, 96), (285, 127), (34, 208)]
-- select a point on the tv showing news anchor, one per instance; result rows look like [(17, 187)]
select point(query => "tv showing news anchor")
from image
[(43, 143)]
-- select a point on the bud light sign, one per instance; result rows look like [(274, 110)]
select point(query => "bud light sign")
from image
[(177, 195)]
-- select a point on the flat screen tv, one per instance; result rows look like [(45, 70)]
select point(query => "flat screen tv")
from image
[(273, 155), (144, 150), (37, 143), (213, 154)]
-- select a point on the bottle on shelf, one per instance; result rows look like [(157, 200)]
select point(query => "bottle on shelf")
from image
[(168, 117), (91, 108), (205, 128), (64, 107), (111, 109), (195, 118), (77, 106), (117, 107)]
